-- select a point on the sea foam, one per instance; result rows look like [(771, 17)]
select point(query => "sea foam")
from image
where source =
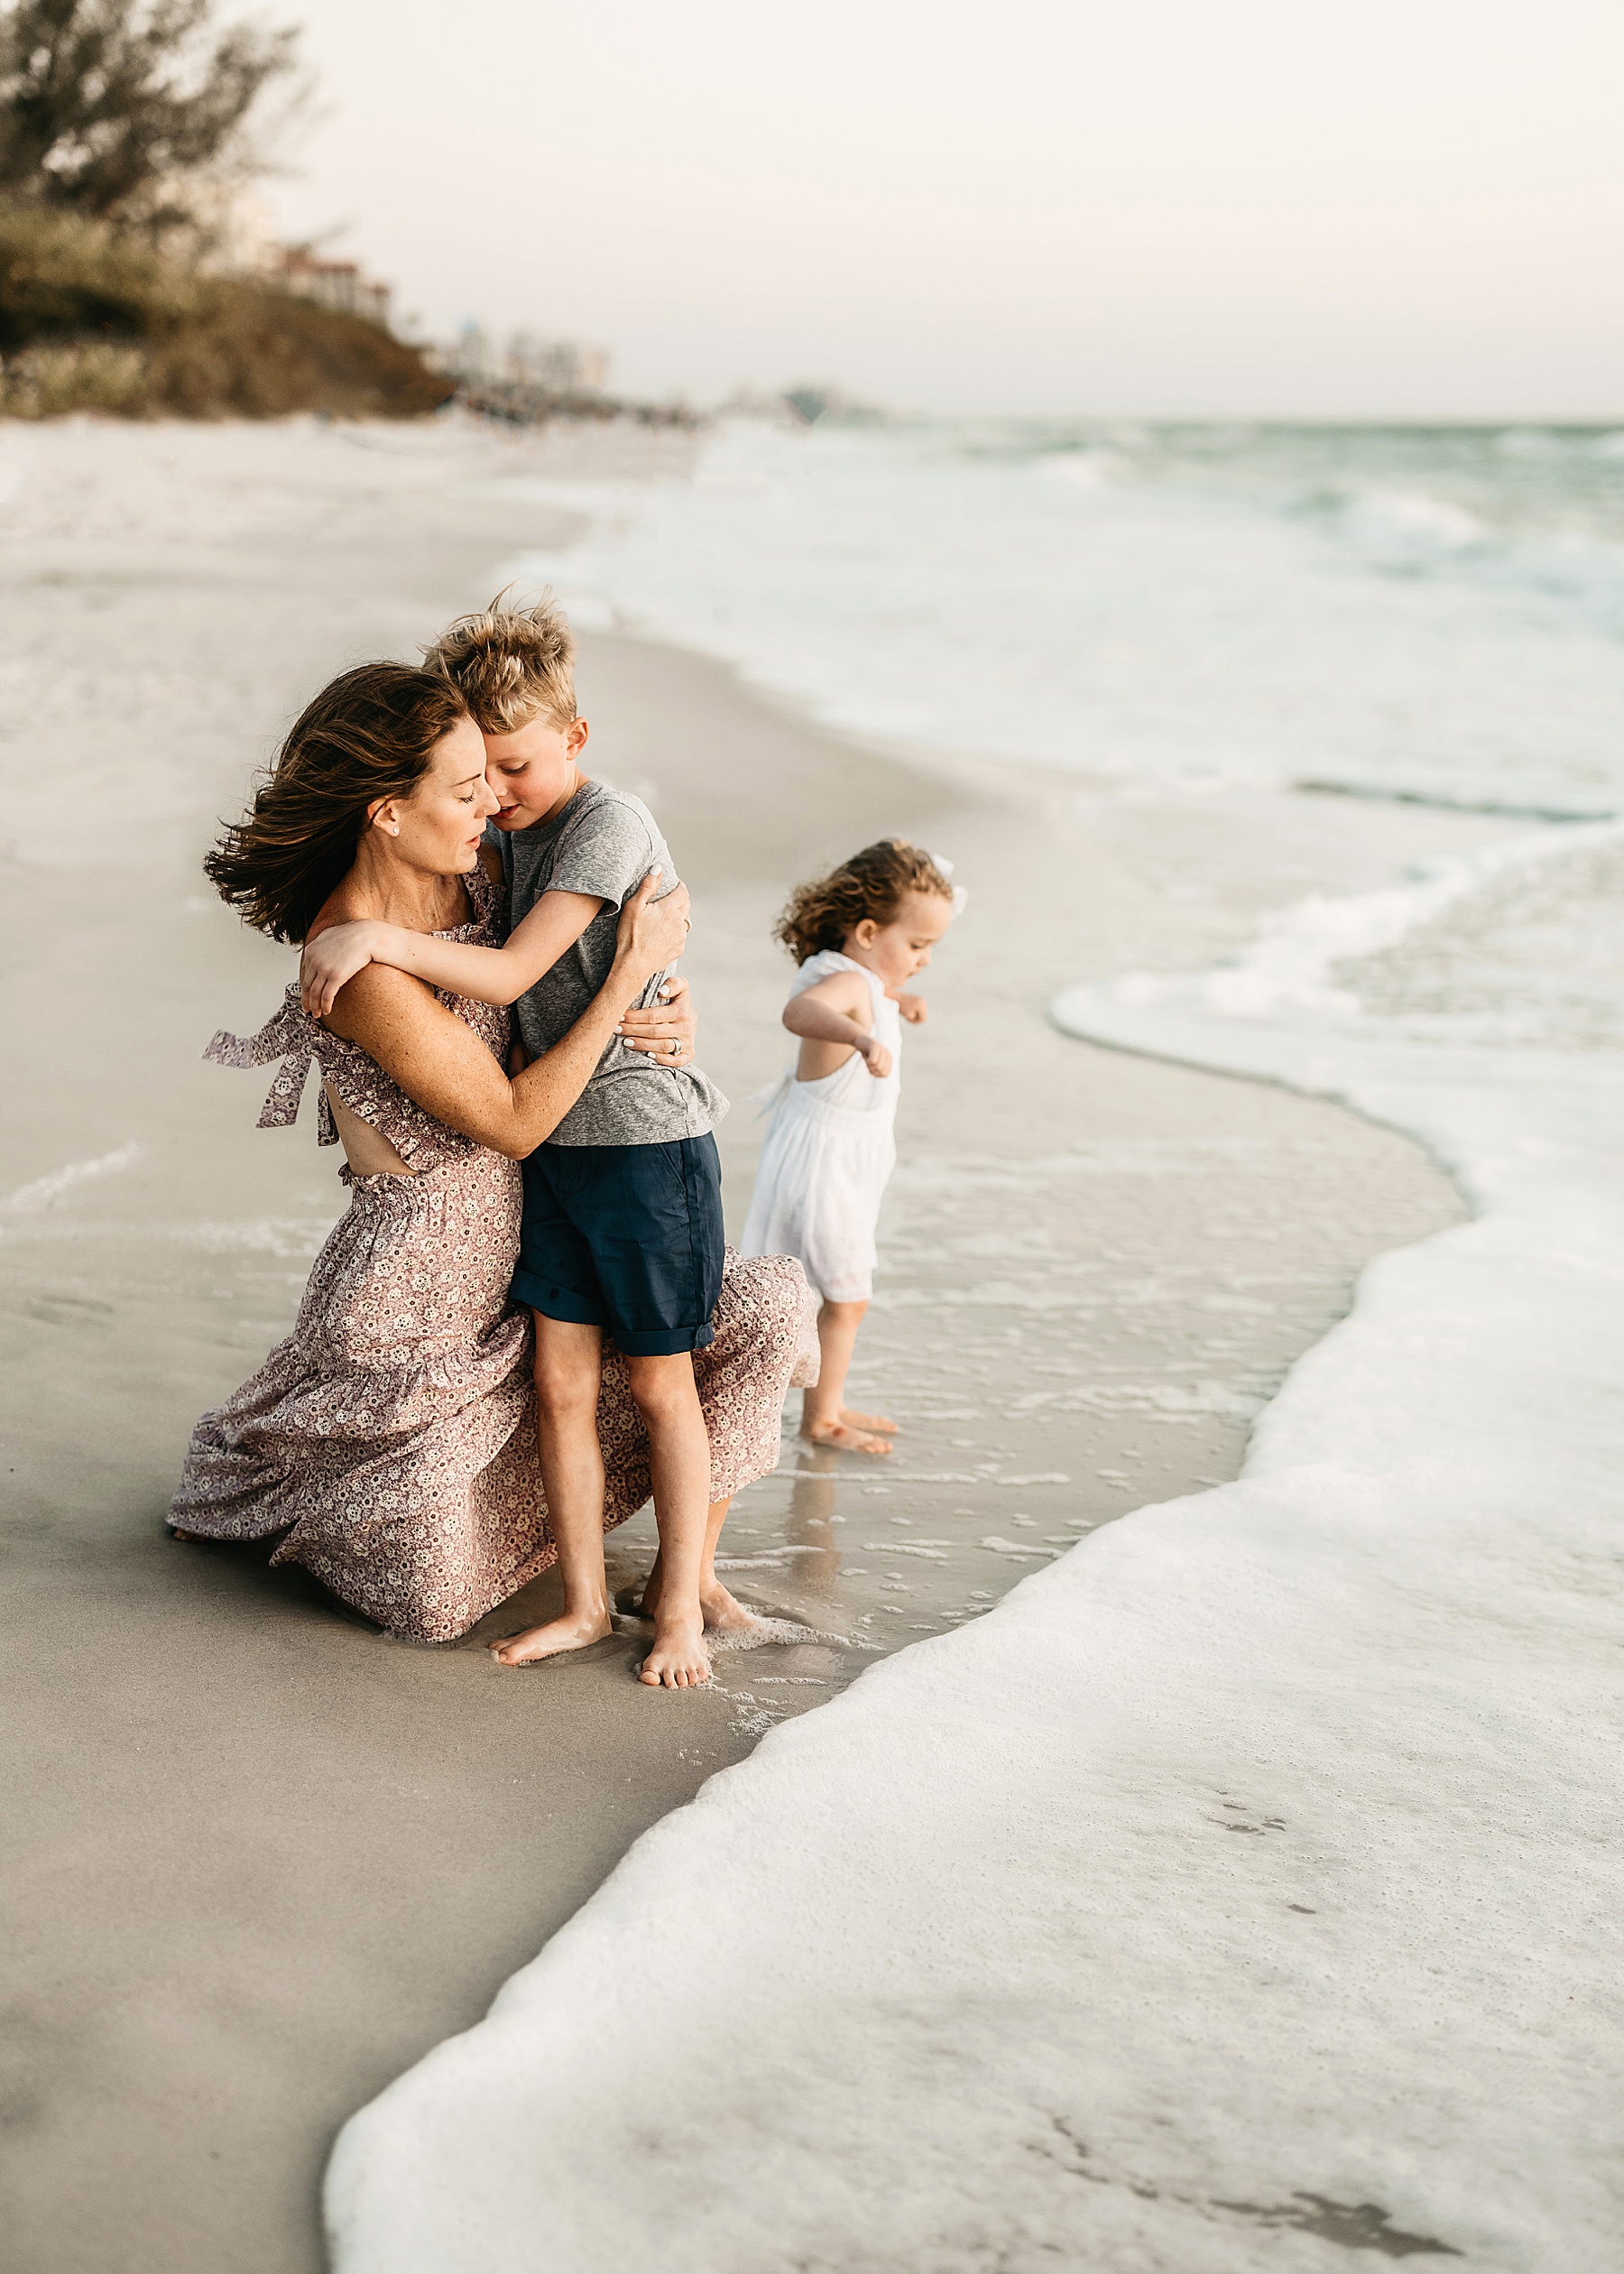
[(43, 1192), (1241, 1891)]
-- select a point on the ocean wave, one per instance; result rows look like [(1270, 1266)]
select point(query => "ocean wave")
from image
[(1405, 534), (1148, 606), (1079, 469), (1401, 531), (1303, 962)]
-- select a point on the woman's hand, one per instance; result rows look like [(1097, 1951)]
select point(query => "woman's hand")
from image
[(332, 958), (650, 933), (667, 1030)]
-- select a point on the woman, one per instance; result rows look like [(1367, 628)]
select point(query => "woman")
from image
[(391, 1438)]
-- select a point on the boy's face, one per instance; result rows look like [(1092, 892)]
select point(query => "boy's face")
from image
[(532, 772)]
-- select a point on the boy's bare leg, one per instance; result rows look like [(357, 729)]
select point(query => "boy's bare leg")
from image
[(680, 1460), (722, 1612), (568, 1361), (824, 1416)]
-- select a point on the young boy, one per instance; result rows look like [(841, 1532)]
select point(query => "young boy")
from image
[(621, 1227)]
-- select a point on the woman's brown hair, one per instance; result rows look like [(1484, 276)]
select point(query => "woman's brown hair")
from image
[(873, 883), (368, 735)]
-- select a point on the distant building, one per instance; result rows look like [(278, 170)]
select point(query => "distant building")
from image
[(469, 357), (334, 284), (549, 366), (811, 401), (562, 366)]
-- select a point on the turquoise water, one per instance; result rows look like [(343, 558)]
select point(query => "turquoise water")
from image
[(1412, 612)]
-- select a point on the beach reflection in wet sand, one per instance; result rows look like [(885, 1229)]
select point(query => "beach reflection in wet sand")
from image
[(1062, 1340)]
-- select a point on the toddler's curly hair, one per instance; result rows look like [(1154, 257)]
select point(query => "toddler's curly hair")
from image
[(873, 882)]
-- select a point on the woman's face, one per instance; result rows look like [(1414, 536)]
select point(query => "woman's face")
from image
[(439, 826)]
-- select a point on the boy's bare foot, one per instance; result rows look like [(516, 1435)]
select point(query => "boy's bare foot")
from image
[(553, 1639), (868, 1420), (677, 1658), (723, 1613), (844, 1439)]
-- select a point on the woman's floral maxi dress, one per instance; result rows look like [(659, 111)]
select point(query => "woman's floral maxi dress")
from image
[(392, 1438)]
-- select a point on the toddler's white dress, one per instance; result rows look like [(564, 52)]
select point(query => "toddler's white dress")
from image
[(830, 1146)]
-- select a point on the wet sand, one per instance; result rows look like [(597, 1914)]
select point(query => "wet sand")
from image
[(261, 1859)]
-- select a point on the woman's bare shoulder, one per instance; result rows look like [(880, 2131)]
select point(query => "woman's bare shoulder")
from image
[(381, 1005), (431, 1053)]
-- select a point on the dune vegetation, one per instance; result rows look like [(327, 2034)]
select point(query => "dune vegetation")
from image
[(96, 319), (126, 126)]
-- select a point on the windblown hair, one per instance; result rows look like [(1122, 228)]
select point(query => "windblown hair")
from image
[(511, 665), (873, 882), (368, 735)]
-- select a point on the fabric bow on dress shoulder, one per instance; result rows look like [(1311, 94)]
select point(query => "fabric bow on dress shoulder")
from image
[(290, 1035)]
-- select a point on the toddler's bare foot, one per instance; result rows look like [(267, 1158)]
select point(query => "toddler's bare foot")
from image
[(553, 1639), (844, 1439), (868, 1420), (677, 1658)]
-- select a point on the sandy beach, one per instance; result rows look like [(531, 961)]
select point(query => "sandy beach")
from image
[(262, 1859)]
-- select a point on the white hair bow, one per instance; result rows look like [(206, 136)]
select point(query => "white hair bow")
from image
[(960, 899)]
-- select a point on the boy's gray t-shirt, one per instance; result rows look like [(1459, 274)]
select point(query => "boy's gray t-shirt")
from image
[(603, 842)]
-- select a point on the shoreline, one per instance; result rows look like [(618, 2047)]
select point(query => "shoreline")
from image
[(274, 1861)]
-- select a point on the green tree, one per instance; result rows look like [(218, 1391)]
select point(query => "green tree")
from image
[(118, 109)]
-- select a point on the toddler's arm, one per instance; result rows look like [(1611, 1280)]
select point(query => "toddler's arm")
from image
[(913, 1007), (486, 975), (827, 1013)]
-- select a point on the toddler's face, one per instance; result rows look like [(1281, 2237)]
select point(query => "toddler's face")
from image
[(894, 952)]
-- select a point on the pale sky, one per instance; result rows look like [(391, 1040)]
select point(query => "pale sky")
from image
[(1274, 207)]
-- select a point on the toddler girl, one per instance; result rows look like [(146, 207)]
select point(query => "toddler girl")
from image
[(857, 935)]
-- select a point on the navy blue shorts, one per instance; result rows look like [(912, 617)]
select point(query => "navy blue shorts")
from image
[(626, 1237)]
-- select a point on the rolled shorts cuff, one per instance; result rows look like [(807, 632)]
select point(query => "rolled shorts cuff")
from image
[(576, 1310), (538, 1294), (656, 1345)]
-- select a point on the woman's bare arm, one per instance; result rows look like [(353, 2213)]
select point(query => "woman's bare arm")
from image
[(442, 1064)]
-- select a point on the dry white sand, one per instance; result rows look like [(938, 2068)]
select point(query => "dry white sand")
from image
[(262, 1859)]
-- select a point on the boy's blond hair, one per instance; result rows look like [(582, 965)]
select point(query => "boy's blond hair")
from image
[(509, 665)]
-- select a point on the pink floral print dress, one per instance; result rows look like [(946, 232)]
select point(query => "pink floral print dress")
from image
[(391, 1439)]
